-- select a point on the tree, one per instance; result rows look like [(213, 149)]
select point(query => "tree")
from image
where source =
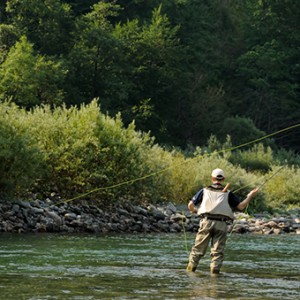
[(154, 55), (139, 9), (29, 79), (81, 7), (208, 33), (47, 24), (179, 68), (268, 71), (95, 61), (8, 38), (132, 68), (240, 129)]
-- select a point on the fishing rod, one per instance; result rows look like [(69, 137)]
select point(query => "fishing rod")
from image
[(257, 180), (259, 188), (268, 179)]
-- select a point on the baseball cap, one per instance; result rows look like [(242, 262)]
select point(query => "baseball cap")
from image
[(218, 173)]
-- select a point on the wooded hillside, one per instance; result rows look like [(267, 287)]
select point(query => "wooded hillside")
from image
[(182, 69)]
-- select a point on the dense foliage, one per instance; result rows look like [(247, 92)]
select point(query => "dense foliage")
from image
[(200, 76), (86, 154), (180, 68)]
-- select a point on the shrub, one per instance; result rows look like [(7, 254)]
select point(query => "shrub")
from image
[(242, 130), (86, 151), (20, 158), (65, 137), (84, 154), (282, 191), (287, 157), (258, 158)]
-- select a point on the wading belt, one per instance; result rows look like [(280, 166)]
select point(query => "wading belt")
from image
[(215, 217)]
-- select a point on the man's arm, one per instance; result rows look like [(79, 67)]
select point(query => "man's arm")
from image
[(192, 208), (196, 200), (241, 206)]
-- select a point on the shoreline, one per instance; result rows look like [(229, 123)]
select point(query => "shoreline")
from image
[(44, 216)]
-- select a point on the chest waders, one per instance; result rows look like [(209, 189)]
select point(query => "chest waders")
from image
[(215, 212)]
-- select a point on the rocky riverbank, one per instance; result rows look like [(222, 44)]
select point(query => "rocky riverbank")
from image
[(45, 216)]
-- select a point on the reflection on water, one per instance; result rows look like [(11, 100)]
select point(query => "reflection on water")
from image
[(145, 267)]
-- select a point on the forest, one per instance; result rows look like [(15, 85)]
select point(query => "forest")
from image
[(96, 92), (182, 69)]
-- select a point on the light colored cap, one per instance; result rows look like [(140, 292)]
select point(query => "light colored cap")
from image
[(218, 173)]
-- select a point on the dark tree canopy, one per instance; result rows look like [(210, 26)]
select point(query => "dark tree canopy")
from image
[(182, 69)]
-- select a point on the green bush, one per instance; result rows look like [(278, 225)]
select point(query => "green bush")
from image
[(20, 158), (282, 191), (242, 130), (84, 154), (86, 151), (258, 158), (287, 157), (66, 138)]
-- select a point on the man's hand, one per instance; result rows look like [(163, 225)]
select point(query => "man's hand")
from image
[(245, 202), (253, 193), (192, 208)]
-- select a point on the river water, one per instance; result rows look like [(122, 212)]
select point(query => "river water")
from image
[(149, 266)]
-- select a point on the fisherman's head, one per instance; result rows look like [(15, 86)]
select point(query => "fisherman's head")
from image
[(217, 175)]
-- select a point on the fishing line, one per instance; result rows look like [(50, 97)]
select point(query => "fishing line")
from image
[(184, 232), (170, 167), (187, 161), (111, 187), (259, 188), (260, 139)]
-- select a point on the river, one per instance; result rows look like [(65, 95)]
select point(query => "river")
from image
[(145, 266)]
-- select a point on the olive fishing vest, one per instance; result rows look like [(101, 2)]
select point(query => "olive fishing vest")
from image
[(216, 203)]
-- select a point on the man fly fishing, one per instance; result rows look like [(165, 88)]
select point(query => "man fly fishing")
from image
[(216, 205)]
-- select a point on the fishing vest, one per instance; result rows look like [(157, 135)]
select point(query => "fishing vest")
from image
[(216, 203)]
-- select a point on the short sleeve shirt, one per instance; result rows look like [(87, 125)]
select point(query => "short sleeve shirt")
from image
[(233, 200)]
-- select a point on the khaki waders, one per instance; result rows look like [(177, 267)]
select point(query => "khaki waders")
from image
[(216, 232)]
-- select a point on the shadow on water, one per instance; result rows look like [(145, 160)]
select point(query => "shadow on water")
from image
[(149, 266)]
